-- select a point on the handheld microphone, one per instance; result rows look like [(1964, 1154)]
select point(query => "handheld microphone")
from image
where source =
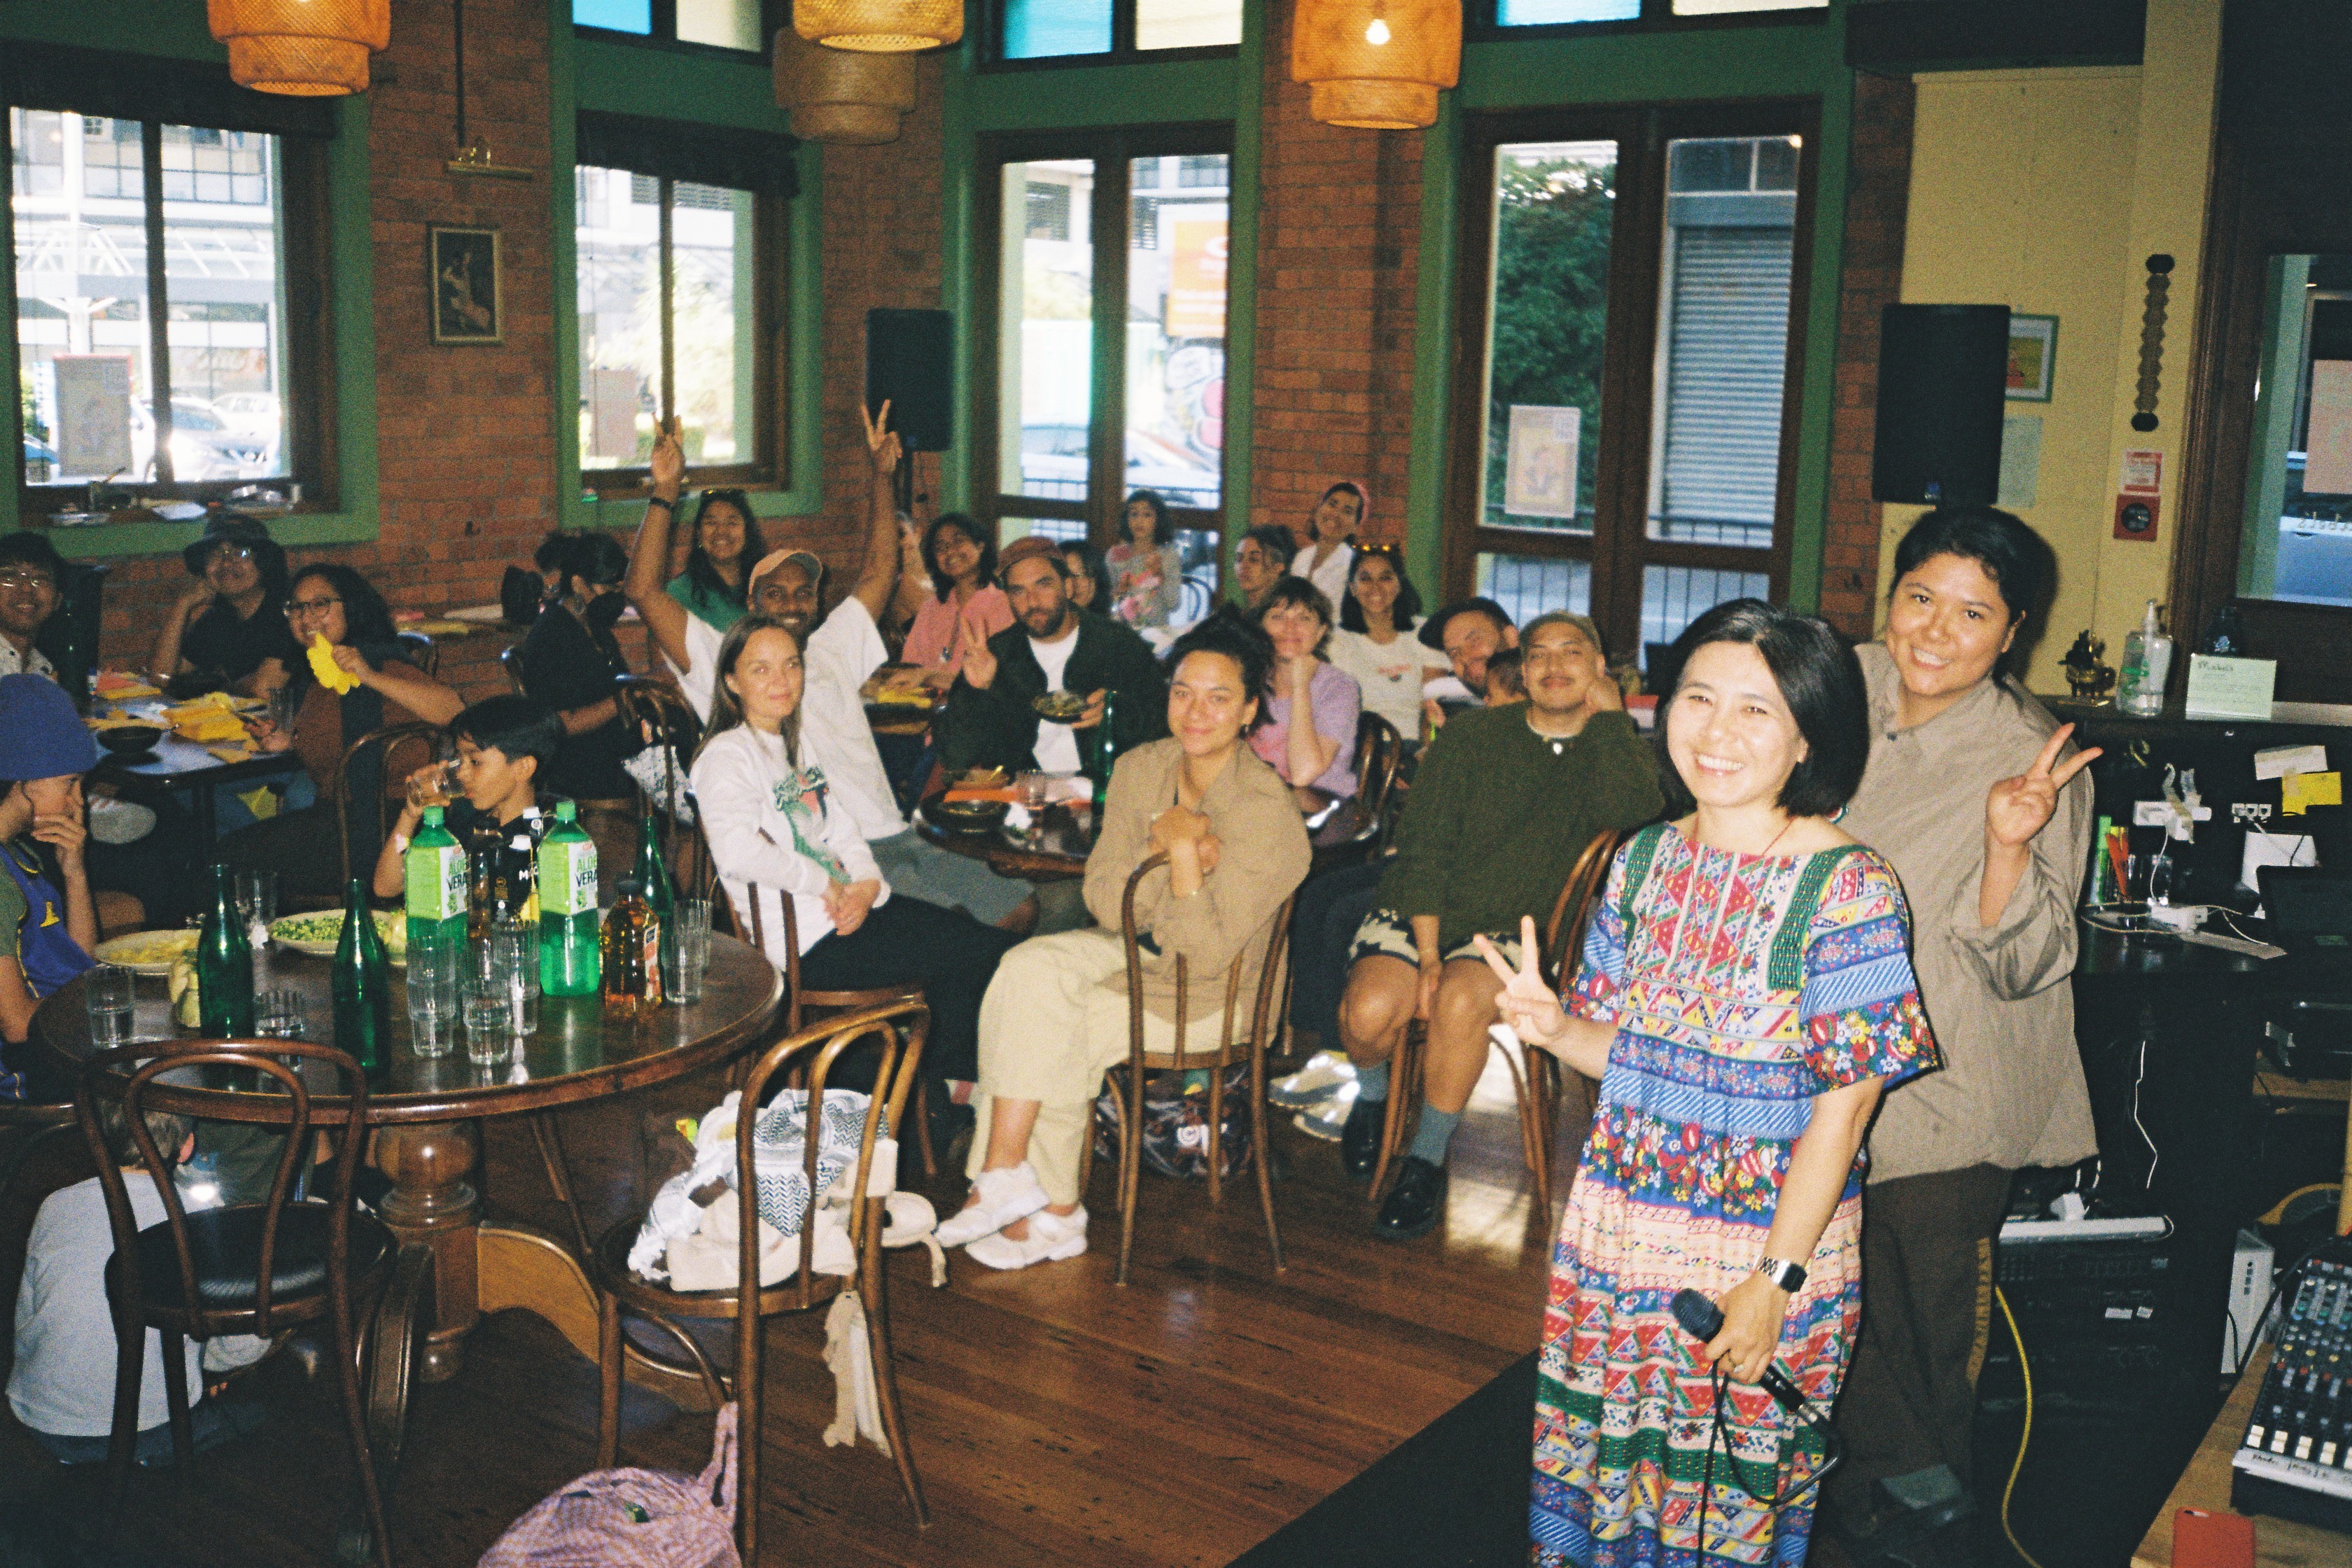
[(1702, 1319)]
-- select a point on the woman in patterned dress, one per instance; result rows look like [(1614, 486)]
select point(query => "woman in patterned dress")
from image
[(1745, 993)]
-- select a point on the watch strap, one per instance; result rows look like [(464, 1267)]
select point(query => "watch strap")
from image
[(1785, 1275)]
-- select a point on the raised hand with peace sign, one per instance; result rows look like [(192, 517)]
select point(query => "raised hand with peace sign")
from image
[(2016, 808), (1531, 1007), (979, 663)]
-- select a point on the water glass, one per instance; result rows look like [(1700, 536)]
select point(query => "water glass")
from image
[(1033, 787), (524, 935), (256, 898), (106, 991), (487, 988), (277, 1015), (433, 1011), (689, 954)]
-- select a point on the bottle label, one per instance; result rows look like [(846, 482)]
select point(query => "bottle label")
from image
[(436, 882), (567, 876)]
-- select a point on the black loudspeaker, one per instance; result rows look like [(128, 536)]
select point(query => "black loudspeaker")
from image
[(1943, 373), (910, 360)]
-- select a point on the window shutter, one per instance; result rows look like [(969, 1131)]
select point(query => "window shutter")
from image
[(1726, 359)]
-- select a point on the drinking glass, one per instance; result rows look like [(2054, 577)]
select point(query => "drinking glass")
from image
[(429, 786), (433, 1010), (685, 959), (1032, 787), (277, 1015), (107, 992), (490, 991), (523, 991), (257, 900)]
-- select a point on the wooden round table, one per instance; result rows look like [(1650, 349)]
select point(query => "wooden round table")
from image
[(425, 1110), (1056, 845)]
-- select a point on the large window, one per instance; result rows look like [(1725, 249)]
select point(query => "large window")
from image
[(1558, 12), (1620, 447), (1051, 29), (1109, 320), (715, 23), (155, 345)]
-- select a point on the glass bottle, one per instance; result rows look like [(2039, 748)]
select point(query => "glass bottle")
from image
[(363, 985), (654, 884), (568, 958), (225, 965), (1106, 749), (632, 952)]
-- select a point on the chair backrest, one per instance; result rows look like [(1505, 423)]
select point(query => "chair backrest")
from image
[(899, 1029), (649, 706), (128, 1074), (423, 652), (1564, 932), (510, 660), (367, 764), (1268, 945), (1378, 748)]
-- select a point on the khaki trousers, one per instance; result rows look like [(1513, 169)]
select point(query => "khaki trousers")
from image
[(1049, 1026)]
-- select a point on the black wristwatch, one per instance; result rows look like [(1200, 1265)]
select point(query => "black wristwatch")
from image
[(1787, 1276), (661, 500)]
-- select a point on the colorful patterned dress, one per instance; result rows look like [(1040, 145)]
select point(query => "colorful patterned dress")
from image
[(1740, 986)]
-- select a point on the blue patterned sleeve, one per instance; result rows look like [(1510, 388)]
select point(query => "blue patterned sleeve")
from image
[(1860, 1005), (1601, 970)]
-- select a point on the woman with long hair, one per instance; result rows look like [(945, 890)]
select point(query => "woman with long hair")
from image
[(1375, 642), (1089, 583), (1745, 993), (1331, 530), (961, 560), (725, 542), (775, 834), (1308, 735), (1146, 569)]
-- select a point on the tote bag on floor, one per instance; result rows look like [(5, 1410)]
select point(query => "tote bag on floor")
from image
[(632, 1519)]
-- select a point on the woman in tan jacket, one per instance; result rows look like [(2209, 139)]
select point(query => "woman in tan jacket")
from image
[(1055, 1015)]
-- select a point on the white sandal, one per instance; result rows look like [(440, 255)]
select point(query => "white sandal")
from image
[(1052, 1238), (1003, 1196)]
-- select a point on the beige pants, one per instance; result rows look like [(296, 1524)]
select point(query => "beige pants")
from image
[(1049, 1029)]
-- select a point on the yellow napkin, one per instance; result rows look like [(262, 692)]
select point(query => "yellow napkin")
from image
[(221, 725), (322, 664)]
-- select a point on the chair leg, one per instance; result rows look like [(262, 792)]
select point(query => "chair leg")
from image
[(923, 1128), (1216, 1141), (1260, 1133), (747, 1378), (1403, 1092), (122, 1442), (608, 1379), (175, 1404), (1130, 1160), (549, 1138), (347, 1366), (873, 1290)]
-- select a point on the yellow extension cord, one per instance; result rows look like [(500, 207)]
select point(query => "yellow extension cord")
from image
[(2023, 1437)]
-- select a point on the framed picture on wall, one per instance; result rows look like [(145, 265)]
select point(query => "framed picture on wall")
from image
[(468, 303), (2032, 357)]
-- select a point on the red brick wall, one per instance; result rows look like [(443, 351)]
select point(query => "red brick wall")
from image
[(1338, 258), (1878, 190)]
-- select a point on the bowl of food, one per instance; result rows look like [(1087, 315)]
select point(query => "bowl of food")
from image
[(1061, 707), (129, 739), (319, 934), (964, 815)]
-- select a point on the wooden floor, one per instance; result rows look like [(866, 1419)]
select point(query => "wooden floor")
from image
[(1057, 1418)]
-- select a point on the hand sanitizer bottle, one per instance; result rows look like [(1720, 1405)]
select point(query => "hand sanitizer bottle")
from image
[(2147, 662)]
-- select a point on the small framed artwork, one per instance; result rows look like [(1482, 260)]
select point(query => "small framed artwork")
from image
[(468, 303), (2032, 357)]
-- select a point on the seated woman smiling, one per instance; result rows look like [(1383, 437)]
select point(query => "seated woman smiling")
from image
[(1056, 1015)]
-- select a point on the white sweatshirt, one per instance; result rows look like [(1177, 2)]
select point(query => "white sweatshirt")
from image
[(771, 833)]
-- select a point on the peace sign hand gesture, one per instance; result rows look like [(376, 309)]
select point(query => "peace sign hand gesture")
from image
[(2018, 808), (881, 441), (1528, 1004), (979, 663)]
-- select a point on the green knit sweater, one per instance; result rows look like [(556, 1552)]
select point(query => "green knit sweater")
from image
[(1498, 815)]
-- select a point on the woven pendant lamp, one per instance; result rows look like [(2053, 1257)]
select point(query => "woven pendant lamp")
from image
[(304, 48), (1376, 64), (850, 99), (880, 26)]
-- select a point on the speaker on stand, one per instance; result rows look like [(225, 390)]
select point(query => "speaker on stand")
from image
[(911, 363), (1943, 376)]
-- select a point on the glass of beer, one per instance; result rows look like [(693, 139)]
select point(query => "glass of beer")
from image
[(430, 785)]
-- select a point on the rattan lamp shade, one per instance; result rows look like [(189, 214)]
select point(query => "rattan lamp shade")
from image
[(834, 95), (880, 26), (305, 48), (1376, 64)]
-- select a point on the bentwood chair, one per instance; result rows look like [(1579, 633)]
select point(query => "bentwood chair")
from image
[(510, 660), (1379, 750), (423, 652), (1268, 955), (363, 791), (1535, 1083), (251, 1268), (898, 1030)]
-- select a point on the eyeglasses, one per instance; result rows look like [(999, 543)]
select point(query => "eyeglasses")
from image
[(232, 553), (295, 607), (26, 579)]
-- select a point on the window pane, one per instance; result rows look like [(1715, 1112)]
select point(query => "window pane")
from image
[(224, 292), (729, 24), (1045, 311), (1675, 596), (1187, 23), (619, 240), (620, 16), (1538, 12), (1528, 586), (1724, 7), (1176, 328), (1723, 339), (1035, 30), (81, 297), (1547, 320), (712, 312), (2297, 542)]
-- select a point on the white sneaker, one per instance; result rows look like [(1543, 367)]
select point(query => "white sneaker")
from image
[(1005, 1196), (1324, 1074), (1323, 1119), (1052, 1237)]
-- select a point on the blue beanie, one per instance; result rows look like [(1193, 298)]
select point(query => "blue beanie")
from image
[(41, 736)]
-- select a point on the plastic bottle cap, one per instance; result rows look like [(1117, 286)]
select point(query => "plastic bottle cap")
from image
[(433, 816), (628, 887), (565, 811)]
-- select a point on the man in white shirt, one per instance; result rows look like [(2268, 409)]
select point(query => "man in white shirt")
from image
[(29, 570), (840, 651)]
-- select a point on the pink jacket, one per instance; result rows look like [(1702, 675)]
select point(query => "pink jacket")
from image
[(935, 638)]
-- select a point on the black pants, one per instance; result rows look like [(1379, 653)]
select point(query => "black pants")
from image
[(1322, 934), (908, 942)]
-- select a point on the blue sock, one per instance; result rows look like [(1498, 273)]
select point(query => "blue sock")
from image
[(1372, 1084), (1434, 1133)]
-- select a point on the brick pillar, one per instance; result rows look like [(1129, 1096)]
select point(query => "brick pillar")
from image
[(1338, 267), (1878, 192)]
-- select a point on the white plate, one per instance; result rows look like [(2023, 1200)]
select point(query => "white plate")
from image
[(111, 949)]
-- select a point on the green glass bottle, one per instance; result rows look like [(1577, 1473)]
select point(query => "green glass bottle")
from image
[(1105, 755), (654, 884), (568, 959), (363, 985), (225, 965)]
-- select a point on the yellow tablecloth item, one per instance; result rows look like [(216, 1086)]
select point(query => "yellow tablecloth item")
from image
[(322, 664)]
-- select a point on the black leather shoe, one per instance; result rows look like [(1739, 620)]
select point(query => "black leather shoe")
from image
[(1414, 1202), (1360, 1138)]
